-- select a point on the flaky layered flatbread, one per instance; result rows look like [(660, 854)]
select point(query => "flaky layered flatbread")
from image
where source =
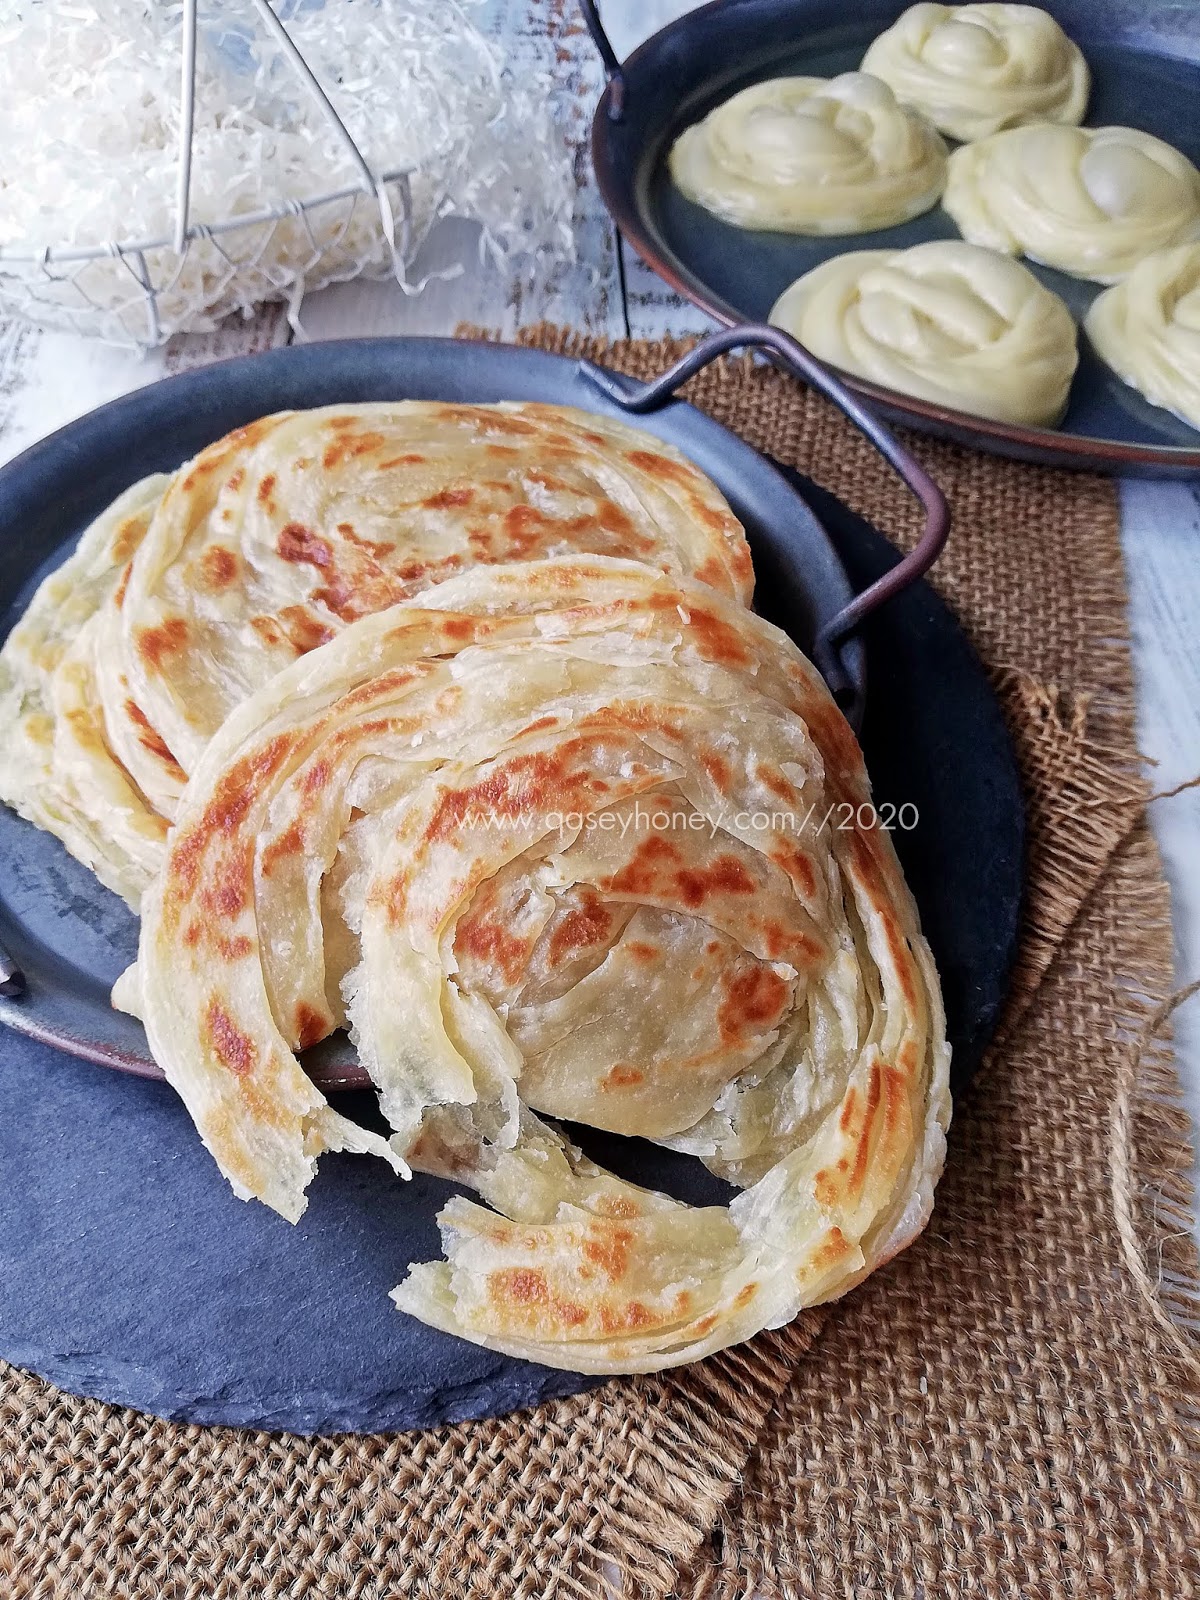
[(194, 590), (578, 840)]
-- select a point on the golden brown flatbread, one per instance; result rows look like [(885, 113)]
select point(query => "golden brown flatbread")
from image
[(197, 589), (408, 826)]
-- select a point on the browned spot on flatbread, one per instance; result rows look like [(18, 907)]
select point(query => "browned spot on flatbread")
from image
[(753, 1001), (226, 811), (231, 1047), (122, 587), (543, 781), (154, 644), (305, 630), (584, 926), (662, 467), (628, 1318), (289, 843), (712, 572), (311, 1026), (644, 872), (268, 630), (826, 1256), (521, 1286), (452, 497), (718, 770), (379, 548), (226, 890), (622, 1076), (784, 943), (774, 781), (796, 863), (609, 1247), (150, 739), (297, 543), (725, 875), (218, 567), (347, 447), (717, 640), (483, 935), (647, 953), (127, 538)]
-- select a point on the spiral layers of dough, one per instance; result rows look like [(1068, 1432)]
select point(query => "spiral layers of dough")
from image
[(1147, 328), (947, 321), (548, 826), (1090, 201), (194, 590), (812, 155), (975, 69)]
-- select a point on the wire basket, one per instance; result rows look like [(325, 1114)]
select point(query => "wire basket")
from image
[(140, 291)]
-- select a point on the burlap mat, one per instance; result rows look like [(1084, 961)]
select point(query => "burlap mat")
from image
[(1003, 1411)]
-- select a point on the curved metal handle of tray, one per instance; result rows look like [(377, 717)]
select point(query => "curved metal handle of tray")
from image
[(612, 62), (795, 359)]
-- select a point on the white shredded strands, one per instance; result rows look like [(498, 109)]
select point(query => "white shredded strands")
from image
[(89, 149)]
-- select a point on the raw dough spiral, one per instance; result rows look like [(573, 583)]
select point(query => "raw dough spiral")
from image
[(947, 321), (975, 69), (812, 155), (730, 964), (1090, 201), (1147, 328)]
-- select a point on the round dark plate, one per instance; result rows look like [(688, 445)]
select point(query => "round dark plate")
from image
[(129, 1272), (70, 936), (1145, 61)]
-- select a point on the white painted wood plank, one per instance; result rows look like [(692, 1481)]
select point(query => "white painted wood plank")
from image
[(653, 310), (1160, 528), (49, 378), (629, 22)]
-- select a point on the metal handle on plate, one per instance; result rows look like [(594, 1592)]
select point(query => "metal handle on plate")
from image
[(800, 364), (612, 62)]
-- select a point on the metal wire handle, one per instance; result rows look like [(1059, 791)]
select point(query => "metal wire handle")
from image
[(612, 62), (395, 211), (796, 360), (371, 183)]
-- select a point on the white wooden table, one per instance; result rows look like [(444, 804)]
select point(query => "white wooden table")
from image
[(48, 378)]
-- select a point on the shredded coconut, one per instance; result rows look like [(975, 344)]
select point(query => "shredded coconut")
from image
[(89, 139)]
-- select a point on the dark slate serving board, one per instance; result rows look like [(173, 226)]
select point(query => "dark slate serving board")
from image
[(128, 1271)]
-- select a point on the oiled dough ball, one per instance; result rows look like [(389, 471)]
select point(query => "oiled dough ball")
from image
[(1090, 201), (946, 321), (1147, 328), (812, 155), (976, 69)]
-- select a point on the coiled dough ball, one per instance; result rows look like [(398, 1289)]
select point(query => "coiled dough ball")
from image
[(1089, 201), (1147, 328), (812, 155), (947, 321), (976, 69)]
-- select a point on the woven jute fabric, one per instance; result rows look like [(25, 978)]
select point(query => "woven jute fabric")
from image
[(1002, 1411)]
